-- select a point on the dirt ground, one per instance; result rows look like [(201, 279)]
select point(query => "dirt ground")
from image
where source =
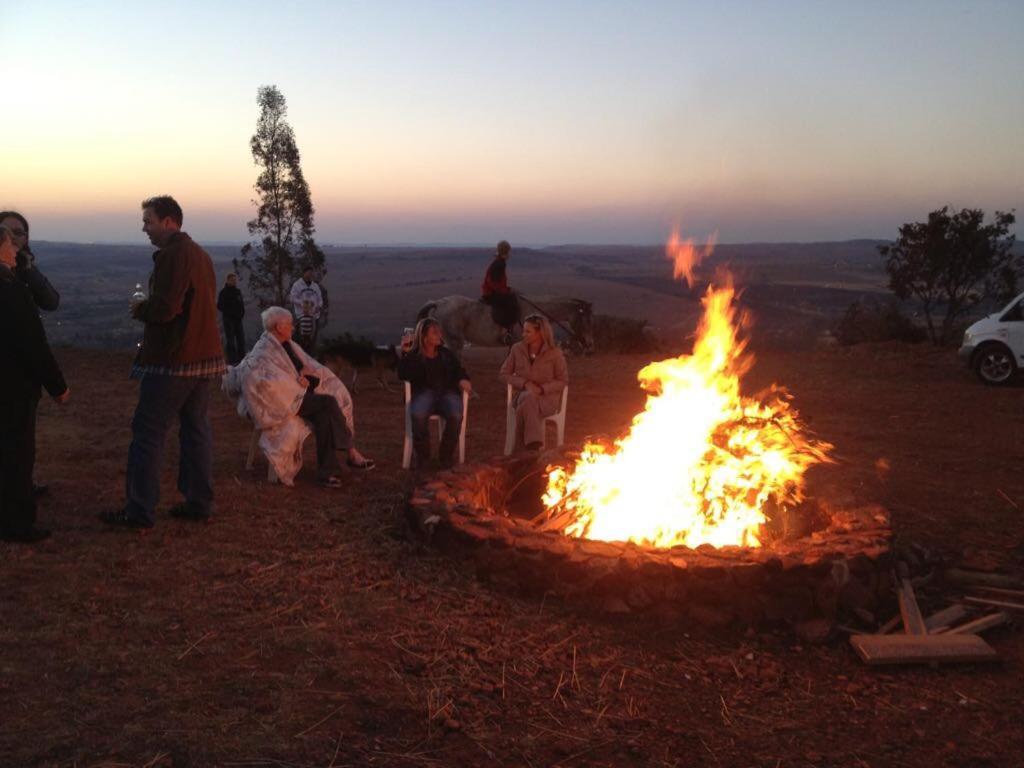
[(307, 627)]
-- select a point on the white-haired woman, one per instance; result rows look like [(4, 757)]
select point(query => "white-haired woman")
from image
[(535, 369), (286, 393)]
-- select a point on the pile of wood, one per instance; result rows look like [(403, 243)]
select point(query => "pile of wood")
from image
[(951, 634)]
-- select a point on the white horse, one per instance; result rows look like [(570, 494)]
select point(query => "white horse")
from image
[(464, 320)]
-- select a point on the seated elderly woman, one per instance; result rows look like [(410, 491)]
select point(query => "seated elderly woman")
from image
[(437, 380), (286, 394), (535, 369)]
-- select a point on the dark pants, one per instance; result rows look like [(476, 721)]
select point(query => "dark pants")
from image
[(447, 405), (17, 456), (504, 308), (234, 339), (330, 429), (161, 400)]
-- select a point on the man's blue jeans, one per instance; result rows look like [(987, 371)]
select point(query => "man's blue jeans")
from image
[(447, 405), (161, 400)]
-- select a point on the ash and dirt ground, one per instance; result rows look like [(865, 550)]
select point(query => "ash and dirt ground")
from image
[(306, 627)]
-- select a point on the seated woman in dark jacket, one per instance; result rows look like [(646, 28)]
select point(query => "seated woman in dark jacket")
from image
[(26, 365), (438, 380)]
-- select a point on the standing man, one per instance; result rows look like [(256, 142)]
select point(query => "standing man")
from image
[(307, 304), (495, 291), (180, 353), (232, 309), (26, 365)]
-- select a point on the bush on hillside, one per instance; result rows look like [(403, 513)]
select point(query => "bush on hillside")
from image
[(876, 320), (622, 334)]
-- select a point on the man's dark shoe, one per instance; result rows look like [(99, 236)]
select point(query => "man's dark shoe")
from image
[(186, 511), (40, 489), (122, 519), (31, 536)]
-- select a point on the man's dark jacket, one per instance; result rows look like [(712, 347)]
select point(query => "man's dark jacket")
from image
[(181, 311), (412, 368), (231, 303), (26, 362)]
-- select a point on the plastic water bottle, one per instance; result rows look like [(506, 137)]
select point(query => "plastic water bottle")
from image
[(137, 297)]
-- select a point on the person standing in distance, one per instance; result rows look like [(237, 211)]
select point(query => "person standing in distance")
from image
[(231, 304), (180, 354), (26, 365), (307, 304)]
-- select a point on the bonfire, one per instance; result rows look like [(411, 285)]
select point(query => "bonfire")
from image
[(702, 463)]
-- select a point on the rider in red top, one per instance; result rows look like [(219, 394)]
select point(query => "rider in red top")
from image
[(495, 291)]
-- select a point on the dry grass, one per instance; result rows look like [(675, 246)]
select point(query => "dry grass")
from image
[(305, 627)]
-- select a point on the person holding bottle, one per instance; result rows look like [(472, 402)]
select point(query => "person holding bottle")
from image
[(180, 354)]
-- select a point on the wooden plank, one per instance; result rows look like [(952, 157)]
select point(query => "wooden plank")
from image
[(1001, 591), (913, 622), (945, 618), (973, 578), (922, 649), (995, 603), (890, 625), (980, 625)]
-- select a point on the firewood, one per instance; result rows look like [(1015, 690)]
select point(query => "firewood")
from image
[(1001, 591), (922, 649), (973, 578), (980, 625), (913, 622), (995, 603), (945, 618), (890, 625)]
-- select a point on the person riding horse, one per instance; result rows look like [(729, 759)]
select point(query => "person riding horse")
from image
[(496, 293)]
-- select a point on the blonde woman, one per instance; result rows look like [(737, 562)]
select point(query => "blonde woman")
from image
[(535, 369)]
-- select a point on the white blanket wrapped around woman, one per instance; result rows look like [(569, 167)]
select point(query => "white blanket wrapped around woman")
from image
[(269, 392)]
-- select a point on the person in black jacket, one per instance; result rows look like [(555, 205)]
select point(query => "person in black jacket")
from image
[(438, 380), (26, 365), (232, 309), (43, 294)]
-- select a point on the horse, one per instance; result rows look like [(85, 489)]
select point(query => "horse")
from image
[(464, 320)]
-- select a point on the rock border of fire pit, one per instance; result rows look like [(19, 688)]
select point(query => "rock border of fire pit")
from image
[(808, 582)]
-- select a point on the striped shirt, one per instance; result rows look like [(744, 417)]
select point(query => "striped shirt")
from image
[(201, 369)]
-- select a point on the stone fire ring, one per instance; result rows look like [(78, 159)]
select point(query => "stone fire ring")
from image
[(809, 582)]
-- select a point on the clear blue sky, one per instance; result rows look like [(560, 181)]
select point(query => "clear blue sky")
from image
[(539, 122)]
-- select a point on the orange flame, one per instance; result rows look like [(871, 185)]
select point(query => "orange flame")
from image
[(702, 463), (686, 257)]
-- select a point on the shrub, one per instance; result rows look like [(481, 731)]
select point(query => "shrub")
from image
[(876, 320), (622, 334)]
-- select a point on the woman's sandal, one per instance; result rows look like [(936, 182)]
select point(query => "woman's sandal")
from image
[(364, 464), (331, 482)]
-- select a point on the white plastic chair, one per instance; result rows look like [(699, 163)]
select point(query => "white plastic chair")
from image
[(558, 419), (407, 444)]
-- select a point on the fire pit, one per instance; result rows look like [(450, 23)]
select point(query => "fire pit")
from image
[(700, 507), (815, 560)]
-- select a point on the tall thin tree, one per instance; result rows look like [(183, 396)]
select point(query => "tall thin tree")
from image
[(284, 210)]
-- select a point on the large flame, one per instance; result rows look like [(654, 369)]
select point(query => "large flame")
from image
[(701, 463)]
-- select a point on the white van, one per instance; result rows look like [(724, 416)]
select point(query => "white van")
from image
[(994, 346)]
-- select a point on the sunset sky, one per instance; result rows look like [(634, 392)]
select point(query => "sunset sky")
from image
[(540, 122)]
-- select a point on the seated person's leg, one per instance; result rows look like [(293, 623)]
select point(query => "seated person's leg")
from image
[(421, 408), (450, 409), (330, 430), (529, 421)]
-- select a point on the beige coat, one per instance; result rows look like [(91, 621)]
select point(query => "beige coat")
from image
[(549, 371)]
